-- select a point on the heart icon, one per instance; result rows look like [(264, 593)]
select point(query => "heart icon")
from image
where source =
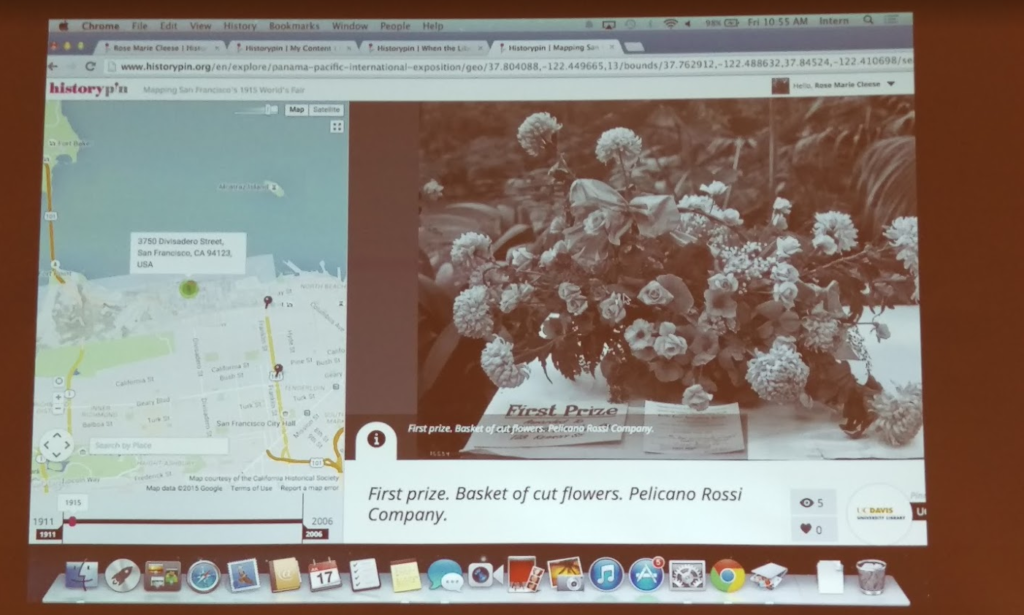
[(806, 528)]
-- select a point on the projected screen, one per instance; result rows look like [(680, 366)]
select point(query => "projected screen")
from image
[(479, 312)]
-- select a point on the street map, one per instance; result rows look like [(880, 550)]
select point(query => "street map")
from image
[(192, 302)]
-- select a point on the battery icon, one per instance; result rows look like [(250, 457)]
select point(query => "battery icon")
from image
[(732, 23)]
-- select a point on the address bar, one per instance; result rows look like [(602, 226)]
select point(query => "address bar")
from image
[(888, 61)]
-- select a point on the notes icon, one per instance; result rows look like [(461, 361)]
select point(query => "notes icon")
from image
[(405, 576)]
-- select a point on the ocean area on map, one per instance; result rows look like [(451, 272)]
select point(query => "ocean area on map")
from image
[(188, 167)]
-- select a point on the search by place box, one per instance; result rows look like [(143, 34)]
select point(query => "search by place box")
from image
[(159, 446)]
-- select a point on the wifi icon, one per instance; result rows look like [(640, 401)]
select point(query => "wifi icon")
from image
[(671, 23)]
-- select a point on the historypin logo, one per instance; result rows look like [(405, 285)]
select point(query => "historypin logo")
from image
[(95, 91)]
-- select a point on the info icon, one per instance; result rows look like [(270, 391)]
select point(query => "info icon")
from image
[(606, 574), (376, 438)]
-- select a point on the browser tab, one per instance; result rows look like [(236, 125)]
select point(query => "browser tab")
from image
[(169, 48), (292, 47), (588, 48), (426, 48)]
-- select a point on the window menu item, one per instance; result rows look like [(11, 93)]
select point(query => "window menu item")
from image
[(324, 575), (285, 575), (162, 576), (364, 574), (244, 575)]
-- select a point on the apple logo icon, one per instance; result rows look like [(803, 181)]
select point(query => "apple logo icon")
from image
[(63, 27)]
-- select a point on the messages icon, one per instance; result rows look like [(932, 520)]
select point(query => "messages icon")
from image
[(445, 574)]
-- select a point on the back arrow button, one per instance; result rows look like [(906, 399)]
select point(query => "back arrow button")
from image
[(51, 66)]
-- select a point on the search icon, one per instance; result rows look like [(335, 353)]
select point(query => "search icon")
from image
[(868, 19)]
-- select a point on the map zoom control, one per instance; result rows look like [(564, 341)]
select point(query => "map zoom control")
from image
[(56, 445)]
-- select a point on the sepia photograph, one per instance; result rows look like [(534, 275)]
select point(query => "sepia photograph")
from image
[(693, 279)]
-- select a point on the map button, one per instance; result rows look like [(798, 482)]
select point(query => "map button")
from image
[(56, 445), (294, 110)]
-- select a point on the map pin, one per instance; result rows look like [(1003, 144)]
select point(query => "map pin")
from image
[(278, 369), (267, 301)]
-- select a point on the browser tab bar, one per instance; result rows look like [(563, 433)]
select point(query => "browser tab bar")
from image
[(168, 48), (311, 48), (426, 48), (537, 49)]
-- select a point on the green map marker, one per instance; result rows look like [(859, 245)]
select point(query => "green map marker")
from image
[(189, 289)]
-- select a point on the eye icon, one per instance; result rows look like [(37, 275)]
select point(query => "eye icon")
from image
[(807, 502)]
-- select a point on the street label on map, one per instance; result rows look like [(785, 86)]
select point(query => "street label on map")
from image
[(188, 253)]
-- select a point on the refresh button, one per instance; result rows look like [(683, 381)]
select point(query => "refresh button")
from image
[(90, 66)]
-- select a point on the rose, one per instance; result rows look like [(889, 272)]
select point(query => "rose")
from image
[(613, 309), (882, 331), (655, 294), (577, 304), (826, 244), (716, 188), (519, 257), (725, 282), (567, 290), (779, 222), (786, 247), (639, 335), (786, 293), (784, 272), (595, 222), (668, 344), (696, 398)]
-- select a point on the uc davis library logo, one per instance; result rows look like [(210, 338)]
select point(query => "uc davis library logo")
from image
[(880, 515)]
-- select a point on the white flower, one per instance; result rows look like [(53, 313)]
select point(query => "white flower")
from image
[(667, 344), (548, 256), (779, 222), (619, 144), (576, 305), (470, 251), (613, 309), (696, 398), (745, 262), (779, 375), (784, 272), (471, 313), (838, 226), (731, 217), (899, 416), (715, 188), (786, 247), (519, 257), (902, 235), (595, 222), (826, 244), (700, 202), (882, 331), (821, 334), (536, 132), (432, 190), (557, 225), (786, 294), (782, 206), (513, 295), (726, 282), (639, 335), (567, 290), (655, 294), (499, 364)]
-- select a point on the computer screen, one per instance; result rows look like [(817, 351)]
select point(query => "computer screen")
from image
[(479, 311)]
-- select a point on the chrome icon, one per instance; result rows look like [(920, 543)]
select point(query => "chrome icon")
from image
[(606, 574), (647, 574), (728, 576)]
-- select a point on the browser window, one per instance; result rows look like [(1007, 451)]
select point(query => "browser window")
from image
[(518, 311)]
